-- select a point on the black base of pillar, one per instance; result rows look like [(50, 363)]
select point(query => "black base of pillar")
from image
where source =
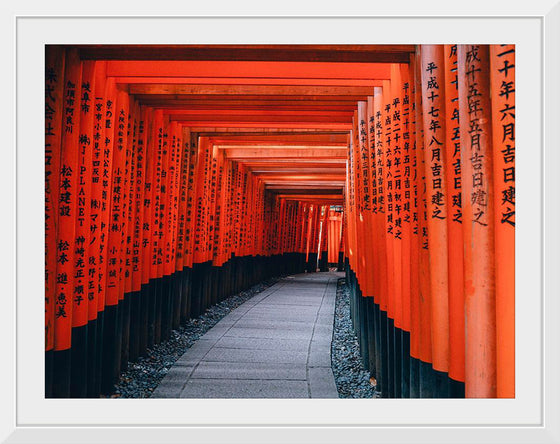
[(79, 362), (61, 373)]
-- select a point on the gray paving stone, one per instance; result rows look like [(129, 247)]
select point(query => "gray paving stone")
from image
[(276, 345), (264, 343), (235, 388), (268, 333), (321, 383), (252, 370), (244, 355)]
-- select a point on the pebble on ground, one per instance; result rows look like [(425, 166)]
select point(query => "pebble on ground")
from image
[(352, 380)]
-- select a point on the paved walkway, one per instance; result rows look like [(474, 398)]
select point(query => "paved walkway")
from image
[(276, 345)]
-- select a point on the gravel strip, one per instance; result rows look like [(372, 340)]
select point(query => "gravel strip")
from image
[(352, 380), (142, 377)]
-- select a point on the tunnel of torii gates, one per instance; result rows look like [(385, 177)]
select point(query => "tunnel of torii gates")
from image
[(176, 176)]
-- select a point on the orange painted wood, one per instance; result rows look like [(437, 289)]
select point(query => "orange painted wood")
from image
[(243, 69), (54, 87), (180, 259), (388, 184), (139, 199), (478, 221), (432, 69), (128, 212), (365, 205), (149, 197), (67, 202), (406, 194), (502, 78), (454, 217), (395, 187), (191, 202), (415, 135), (263, 90), (380, 219), (116, 133), (84, 308), (425, 333)]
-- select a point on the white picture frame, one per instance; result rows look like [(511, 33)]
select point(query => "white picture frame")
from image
[(533, 417)]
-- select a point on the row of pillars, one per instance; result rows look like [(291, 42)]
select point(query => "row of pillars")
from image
[(430, 224), (146, 226)]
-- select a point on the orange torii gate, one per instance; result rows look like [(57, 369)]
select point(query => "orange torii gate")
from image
[(173, 184)]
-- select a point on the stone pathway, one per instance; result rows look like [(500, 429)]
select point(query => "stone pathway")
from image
[(276, 345)]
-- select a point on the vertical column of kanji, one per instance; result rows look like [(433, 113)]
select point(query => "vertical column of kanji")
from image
[(245, 225), (208, 209), (139, 186), (122, 130), (454, 226), (348, 202), (373, 267), (115, 140), (180, 257), (175, 169), (199, 205), (398, 128), (130, 351), (148, 211), (107, 356), (228, 230), (215, 224), (164, 235), (360, 283), (396, 182), (190, 219), (478, 217), (414, 238), (380, 240), (381, 201), (502, 78), (164, 251), (433, 102), (365, 200), (358, 220), (54, 87), (424, 286), (406, 228), (156, 248), (235, 225), (389, 166), (127, 299), (67, 203), (96, 293), (80, 335)]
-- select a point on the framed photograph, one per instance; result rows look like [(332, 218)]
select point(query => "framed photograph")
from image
[(531, 417)]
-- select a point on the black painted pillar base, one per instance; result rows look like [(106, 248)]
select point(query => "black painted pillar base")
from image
[(414, 378), (49, 373), (124, 307), (143, 323), (340, 266), (92, 375), (61, 373), (109, 359), (79, 362), (312, 263), (133, 349), (456, 389)]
